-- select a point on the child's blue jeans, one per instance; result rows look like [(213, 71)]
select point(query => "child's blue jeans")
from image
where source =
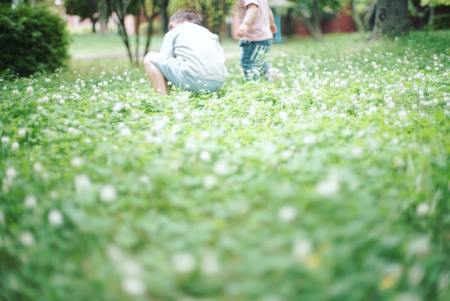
[(254, 58)]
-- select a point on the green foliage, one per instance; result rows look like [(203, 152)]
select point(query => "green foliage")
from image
[(83, 8), (313, 12), (361, 6), (434, 2), (329, 184), (305, 7), (213, 11), (32, 39)]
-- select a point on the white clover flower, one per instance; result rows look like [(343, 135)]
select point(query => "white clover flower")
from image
[(179, 116), (130, 267), (125, 131), (209, 181), (444, 281), (302, 249), (245, 122), (419, 247), (183, 262), (108, 194), (82, 183), (205, 156), (210, 264), (407, 297), (144, 179), (287, 213), (26, 239), (221, 168), (30, 90), (118, 107), (415, 275), (133, 286), (15, 146), (38, 167), (357, 151), (5, 140), (22, 132), (423, 209), (309, 139), (11, 173), (329, 186), (76, 161), (55, 217), (30, 201), (43, 99), (283, 116), (286, 154), (402, 114)]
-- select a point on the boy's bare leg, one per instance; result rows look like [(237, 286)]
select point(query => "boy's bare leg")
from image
[(157, 80)]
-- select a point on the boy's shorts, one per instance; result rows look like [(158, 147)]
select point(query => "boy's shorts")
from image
[(253, 58), (176, 72)]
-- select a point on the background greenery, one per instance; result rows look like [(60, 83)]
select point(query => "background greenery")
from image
[(33, 40)]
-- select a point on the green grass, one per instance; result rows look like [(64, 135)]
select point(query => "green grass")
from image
[(104, 46), (97, 45), (329, 184)]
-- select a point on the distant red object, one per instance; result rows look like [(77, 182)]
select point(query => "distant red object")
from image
[(342, 22)]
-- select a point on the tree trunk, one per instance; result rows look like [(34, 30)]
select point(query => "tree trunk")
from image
[(93, 22), (357, 19), (164, 15), (103, 9), (137, 36), (391, 18), (431, 18), (150, 18), (316, 21), (124, 35)]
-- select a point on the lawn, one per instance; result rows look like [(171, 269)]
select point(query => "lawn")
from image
[(331, 183)]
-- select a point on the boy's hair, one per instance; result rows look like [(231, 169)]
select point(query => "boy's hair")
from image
[(187, 14)]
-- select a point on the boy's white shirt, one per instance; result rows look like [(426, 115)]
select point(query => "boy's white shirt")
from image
[(198, 48)]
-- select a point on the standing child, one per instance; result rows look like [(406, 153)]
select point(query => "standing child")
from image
[(255, 31), (190, 58)]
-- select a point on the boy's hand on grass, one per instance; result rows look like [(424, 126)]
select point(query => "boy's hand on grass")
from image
[(242, 30)]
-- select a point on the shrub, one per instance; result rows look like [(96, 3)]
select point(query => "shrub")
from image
[(33, 40), (441, 22)]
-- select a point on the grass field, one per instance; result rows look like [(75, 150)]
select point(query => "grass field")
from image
[(329, 184)]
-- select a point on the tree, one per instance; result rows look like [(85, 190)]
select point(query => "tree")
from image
[(392, 18), (148, 9), (312, 12), (163, 6), (363, 12), (86, 9)]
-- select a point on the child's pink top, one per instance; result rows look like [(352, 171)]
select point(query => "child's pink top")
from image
[(260, 29)]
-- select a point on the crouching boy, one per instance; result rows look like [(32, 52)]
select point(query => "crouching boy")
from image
[(190, 58)]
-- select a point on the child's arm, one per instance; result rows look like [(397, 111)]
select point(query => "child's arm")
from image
[(235, 21), (249, 18), (273, 26)]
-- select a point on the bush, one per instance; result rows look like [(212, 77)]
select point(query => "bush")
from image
[(441, 22), (33, 40)]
